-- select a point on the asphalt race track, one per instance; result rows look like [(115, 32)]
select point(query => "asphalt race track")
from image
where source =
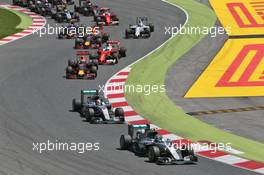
[(35, 103)]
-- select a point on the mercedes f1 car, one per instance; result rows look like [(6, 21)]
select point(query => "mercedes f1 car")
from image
[(96, 109), (110, 53), (94, 40), (32, 4), (66, 16), (142, 29), (147, 142), (60, 7), (83, 67), (85, 8), (103, 16), (43, 8), (66, 2), (22, 3)]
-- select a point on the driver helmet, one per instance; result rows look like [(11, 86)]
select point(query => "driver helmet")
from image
[(108, 47), (82, 60), (140, 23), (98, 102), (138, 133), (168, 141), (158, 138)]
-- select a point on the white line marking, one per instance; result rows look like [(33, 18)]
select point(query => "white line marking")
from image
[(115, 100), (260, 170), (133, 118), (230, 159), (172, 137)]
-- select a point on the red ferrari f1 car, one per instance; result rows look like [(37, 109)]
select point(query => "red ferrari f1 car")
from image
[(103, 16), (110, 53)]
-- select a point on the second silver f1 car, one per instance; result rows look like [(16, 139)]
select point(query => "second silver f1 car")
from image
[(96, 109)]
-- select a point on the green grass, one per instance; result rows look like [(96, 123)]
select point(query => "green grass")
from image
[(158, 107), (12, 22), (26, 20)]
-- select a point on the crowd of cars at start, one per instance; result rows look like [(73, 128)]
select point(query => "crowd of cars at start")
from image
[(98, 49)]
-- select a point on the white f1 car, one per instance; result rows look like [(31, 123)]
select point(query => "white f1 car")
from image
[(142, 29)]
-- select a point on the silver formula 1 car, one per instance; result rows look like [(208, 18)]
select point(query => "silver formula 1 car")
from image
[(96, 109), (142, 29), (147, 142)]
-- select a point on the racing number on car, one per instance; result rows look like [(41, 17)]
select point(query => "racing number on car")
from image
[(243, 16), (247, 69)]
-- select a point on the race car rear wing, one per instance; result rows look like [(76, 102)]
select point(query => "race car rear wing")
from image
[(113, 42), (141, 126), (104, 8), (132, 129), (85, 53), (89, 92)]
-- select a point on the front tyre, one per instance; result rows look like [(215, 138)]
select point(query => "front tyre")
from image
[(153, 153)]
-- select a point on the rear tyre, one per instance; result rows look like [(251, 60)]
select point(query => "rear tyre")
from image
[(94, 70), (105, 37), (122, 52), (125, 142), (99, 41), (151, 26), (127, 34), (115, 58), (119, 112), (76, 105)]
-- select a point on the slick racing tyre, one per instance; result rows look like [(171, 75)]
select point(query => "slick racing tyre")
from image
[(119, 112), (94, 70), (122, 52), (127, 34), (88, 113), (76, 105), (105, 37), (125, 142), (153, 153), (151, 26)]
